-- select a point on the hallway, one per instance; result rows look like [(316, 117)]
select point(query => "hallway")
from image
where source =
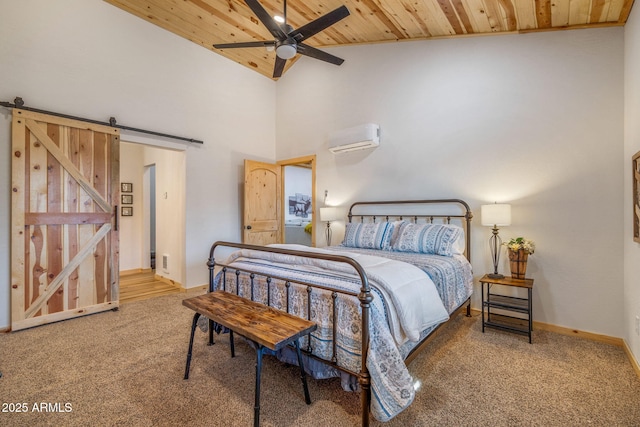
[(144, 285)]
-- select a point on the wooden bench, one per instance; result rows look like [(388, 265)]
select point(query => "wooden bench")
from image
[(265, 326)]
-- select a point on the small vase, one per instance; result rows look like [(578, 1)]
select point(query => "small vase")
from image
[(518, 263)]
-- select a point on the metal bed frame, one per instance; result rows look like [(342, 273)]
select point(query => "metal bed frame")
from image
[(230, 281)]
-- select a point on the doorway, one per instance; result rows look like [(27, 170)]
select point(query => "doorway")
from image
[(149, 215), (298, 206), (299, 200), (264, 200), (152, 248)]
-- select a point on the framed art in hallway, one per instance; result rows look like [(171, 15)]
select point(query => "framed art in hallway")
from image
[(127, 211), (126, 187), (636, 196), (127, 199)]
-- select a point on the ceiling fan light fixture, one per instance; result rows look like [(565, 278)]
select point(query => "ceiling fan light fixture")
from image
[(286, 51), (279, 19)]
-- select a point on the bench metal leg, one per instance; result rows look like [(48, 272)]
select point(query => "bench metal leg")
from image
[(256, 408), (211, 328), (193, 331), (231, 342), (303, 375)]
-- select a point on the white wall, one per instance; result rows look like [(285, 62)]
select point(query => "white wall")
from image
[(631, 146), (170, 213), (130, 227), (88, 58), (534, 120)]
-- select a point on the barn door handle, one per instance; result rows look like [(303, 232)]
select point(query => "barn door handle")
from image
[(116, 212), (248, 227)]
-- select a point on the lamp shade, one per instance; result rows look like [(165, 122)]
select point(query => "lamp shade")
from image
[(329, 214), (496, 214)]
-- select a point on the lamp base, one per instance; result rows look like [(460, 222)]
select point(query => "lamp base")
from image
[(495, 276)]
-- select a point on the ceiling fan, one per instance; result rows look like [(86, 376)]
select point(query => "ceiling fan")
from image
[(288, 41)]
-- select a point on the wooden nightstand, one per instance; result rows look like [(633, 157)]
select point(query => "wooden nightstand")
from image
[(507, 303)]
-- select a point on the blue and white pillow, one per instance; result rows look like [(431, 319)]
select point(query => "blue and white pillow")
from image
[(367, 235), (392, 234), (437, 239)]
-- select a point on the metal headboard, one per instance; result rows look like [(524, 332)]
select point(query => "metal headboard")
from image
[(382, 211)]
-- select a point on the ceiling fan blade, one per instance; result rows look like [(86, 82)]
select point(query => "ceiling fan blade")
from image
[(244, 44), (305, 49), (266, 19), (319, 24), (279, 67)]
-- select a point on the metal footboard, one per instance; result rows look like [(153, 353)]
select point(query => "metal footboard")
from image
[(234, 279)]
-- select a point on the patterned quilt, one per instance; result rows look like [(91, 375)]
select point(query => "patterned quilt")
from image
[(406, 303)]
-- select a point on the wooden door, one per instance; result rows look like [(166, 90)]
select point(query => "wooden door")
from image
[(262, 203), (64, 239)]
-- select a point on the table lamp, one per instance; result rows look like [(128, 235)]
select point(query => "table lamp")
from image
[(497, 214), (329, 214)]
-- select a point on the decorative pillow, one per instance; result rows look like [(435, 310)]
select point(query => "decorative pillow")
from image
[(366, 235), (458, 247), (437, 239), (392, 234)]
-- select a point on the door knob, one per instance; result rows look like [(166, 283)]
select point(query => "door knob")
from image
[(248, 227)]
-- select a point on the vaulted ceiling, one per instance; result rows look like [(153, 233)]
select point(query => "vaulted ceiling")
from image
[(209, 22)]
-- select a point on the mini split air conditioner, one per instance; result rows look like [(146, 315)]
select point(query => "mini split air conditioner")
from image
[(356, 138)]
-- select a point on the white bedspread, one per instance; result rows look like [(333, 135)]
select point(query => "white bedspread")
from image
[(414, 301)]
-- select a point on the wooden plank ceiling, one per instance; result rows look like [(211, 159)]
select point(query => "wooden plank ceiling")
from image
[(206, 22)]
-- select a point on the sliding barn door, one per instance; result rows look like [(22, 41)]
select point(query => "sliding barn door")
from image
[(64, 240)]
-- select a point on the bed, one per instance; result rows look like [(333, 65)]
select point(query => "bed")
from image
[(401, 271)]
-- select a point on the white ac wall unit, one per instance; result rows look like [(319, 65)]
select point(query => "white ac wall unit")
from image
[(356, 138)]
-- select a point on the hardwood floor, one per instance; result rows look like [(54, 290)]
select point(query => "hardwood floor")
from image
[(144, 285)]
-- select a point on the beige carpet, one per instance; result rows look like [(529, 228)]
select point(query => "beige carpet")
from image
[(125, 368)]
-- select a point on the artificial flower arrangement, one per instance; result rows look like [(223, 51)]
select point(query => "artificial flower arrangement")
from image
[(518, 243)]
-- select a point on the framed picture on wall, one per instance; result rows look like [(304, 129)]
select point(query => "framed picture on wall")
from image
[(300, 205), (126, 187), (127, 199), (127, 211), (636, 196)]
